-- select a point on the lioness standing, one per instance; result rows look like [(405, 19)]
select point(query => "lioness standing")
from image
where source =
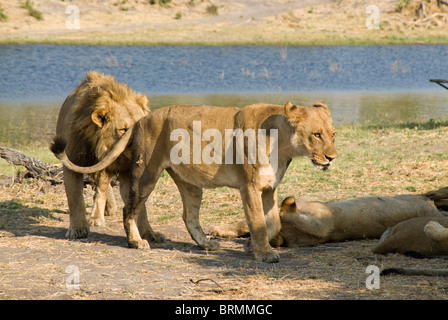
[(176, 139), (302, 131)]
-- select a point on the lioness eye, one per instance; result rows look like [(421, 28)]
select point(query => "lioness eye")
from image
[(123, 130), (317, 135)]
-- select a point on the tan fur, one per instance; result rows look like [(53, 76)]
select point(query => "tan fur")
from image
[(310, 223), (91, 120), (425, 236), (307, 223), (151, 155), (302, 131), (440, 197)]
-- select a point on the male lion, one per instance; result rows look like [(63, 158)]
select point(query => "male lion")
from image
[(289, 130), (92, 118), (305, 223)]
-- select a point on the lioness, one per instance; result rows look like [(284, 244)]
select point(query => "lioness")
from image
[(422, 236), (289, 130), (92, 118), (305, 223)]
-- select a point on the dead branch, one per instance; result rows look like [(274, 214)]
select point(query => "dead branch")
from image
[(36, 168), (420, 11), (439, 2)]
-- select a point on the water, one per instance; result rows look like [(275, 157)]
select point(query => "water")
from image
[(360, 83)]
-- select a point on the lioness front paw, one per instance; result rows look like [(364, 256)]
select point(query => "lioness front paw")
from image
[(77, 233), (269, 257), (138, 244), (211, 245)]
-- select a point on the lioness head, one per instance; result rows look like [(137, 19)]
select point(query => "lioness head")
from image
[(114, 108), (314, 134)]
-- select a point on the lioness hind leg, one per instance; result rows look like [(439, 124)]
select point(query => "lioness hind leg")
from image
[(138, 229), (111, 204), (74, 184), (191, 199), (100, 198)]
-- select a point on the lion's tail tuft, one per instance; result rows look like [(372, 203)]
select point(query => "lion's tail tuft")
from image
[(58, 145)]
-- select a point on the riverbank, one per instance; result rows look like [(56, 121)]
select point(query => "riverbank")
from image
[(194, 22)]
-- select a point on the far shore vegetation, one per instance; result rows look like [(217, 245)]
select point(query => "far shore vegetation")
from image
[(229, 36)]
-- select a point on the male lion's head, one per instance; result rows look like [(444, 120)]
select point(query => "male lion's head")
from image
[(106, 110), (314, 134)]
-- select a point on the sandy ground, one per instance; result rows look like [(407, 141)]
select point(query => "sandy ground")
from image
[(247, 21), (37, 262)]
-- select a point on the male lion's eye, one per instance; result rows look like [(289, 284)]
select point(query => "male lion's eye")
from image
[(317, 135)]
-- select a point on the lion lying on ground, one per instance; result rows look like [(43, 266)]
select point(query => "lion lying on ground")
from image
[(92, 118), (194, 164), (418, 236), (440, 197), (305, 223)]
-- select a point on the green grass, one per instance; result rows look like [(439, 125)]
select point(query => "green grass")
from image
[(389, 158), (231, 35), (3, 16), (32, 11), (39, 152)]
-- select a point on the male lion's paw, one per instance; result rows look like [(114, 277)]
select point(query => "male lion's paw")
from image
[(156, 237), (138, 244), (77, 233)]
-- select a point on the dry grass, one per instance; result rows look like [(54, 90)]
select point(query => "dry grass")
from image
[(280, 22), (382, 160)]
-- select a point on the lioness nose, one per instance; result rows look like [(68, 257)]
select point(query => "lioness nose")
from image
[(330, 158)]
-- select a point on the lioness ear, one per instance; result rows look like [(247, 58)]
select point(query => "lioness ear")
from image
[(288, 203), (289, 108), (100, 116), (294, 112)]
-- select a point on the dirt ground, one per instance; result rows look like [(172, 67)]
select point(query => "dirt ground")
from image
[(233, 21), (37, 262)]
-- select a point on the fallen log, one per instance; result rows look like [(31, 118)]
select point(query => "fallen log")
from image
[(36, 168)]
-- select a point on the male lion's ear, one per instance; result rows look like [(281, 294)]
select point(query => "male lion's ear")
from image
[(288, 203), (100, 116), (142, 100), (319, 104)]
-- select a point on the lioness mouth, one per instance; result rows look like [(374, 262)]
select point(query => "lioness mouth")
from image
[(321, 166)]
